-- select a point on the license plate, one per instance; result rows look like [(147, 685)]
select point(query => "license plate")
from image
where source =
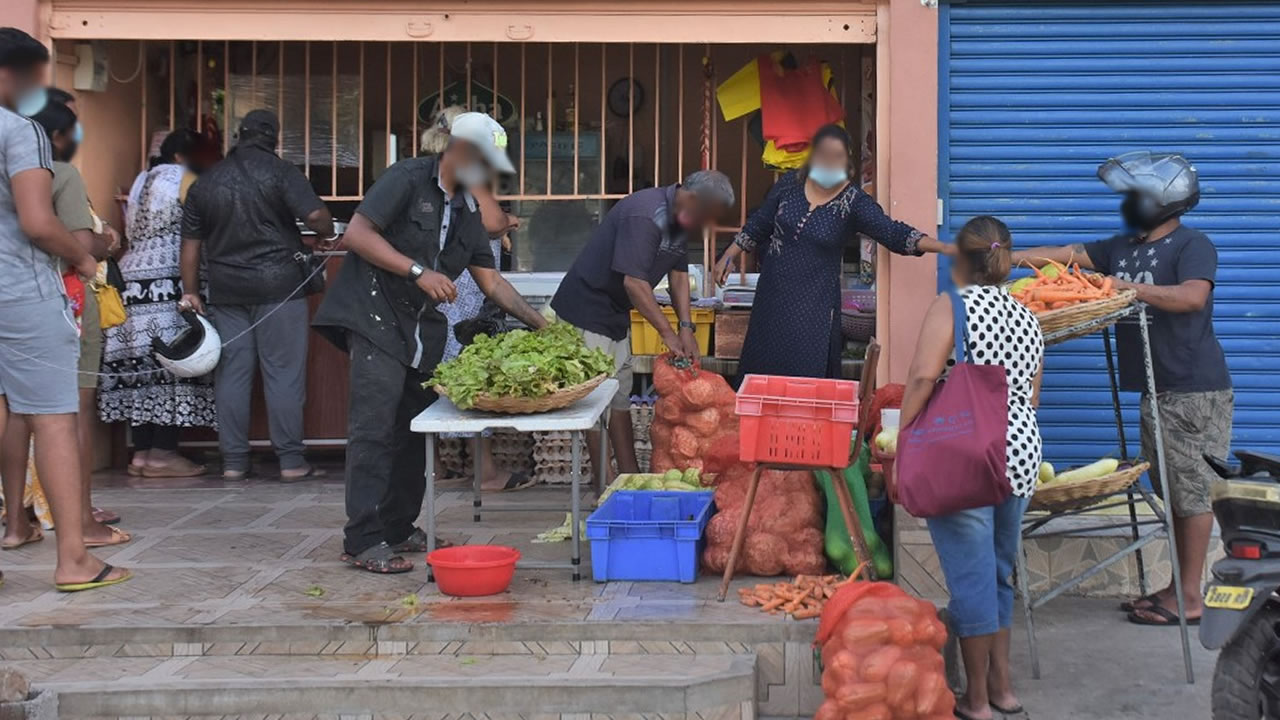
[(1227, 597)]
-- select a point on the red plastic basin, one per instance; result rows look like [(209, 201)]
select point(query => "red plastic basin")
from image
[(473, 570)]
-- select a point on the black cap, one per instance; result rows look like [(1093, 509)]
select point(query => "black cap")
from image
[(260, 122)]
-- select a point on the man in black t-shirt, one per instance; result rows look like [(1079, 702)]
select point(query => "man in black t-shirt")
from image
[(1172, 268), (642, 239)]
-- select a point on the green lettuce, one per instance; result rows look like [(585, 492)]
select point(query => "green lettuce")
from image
[(521, 363)]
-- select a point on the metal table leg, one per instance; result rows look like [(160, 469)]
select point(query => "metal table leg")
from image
[(602, 472), (576, 441), (1028, 608), (1124, 456), (430, 497), (1163, 479), (475, 480)]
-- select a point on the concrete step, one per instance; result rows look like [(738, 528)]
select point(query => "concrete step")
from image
[(708, 686)]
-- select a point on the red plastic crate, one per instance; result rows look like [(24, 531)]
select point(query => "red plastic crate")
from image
[(796, 421)]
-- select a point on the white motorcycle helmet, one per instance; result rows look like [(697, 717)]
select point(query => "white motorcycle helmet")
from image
[(194, 352)]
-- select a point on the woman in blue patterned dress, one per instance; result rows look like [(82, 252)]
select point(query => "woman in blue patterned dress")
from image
[(799, 235)]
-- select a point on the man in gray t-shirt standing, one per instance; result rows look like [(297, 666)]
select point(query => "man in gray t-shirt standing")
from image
[(39, 341)]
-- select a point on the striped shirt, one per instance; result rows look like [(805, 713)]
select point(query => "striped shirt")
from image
[(27, 273)]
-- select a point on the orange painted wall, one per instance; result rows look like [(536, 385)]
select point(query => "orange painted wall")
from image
[(907, 129), (22, 14)]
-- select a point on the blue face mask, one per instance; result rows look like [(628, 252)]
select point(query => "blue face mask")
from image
[(828, 177), (77, 134), (32, 101)]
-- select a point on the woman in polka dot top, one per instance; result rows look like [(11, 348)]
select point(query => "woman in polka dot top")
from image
[(799, 234), (977, 547)]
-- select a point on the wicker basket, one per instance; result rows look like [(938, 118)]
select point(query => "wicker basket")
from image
[(1056, 320), (858, 326), (523, 406), (1072, 496)]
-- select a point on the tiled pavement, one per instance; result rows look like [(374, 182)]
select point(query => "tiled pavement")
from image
[(240, 608)]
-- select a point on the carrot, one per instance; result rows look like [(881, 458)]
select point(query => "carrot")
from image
[(773, 604), (1060, 304), (1037, 306), (1108, 286)]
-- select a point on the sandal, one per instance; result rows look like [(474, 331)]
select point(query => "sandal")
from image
[(381, 559), (98, 581), (106, 517), (35, 536), (312, 473), (175, 467), (1167, 617), (1141, 603), (417, 543), (118, 537), (516, 481), (135, 470)]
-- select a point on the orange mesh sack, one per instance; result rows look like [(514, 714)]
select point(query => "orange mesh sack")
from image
[(882, 656), (691, 417)]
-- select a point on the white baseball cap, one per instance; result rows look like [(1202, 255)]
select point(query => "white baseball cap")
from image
[(487, 135)]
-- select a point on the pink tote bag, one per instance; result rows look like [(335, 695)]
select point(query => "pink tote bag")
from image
[(951, 457)]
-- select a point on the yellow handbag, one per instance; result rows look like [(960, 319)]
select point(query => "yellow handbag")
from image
[(110, 305)]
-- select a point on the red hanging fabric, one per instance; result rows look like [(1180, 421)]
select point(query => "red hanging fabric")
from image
[(794, 103)]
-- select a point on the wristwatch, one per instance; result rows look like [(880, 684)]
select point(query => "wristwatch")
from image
[(415, 271), (688, 325)]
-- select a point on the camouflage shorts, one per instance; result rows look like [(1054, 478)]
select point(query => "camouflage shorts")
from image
[(1193, 424)]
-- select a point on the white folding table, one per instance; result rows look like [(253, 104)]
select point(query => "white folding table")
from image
[(586, 414)]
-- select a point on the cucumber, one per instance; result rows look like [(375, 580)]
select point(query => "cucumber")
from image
[(1105, 466)]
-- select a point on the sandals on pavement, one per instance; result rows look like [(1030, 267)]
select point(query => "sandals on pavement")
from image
[(518, 481), (174, 467), (106, 517), (35, 536), (1167, 617), (101, 580), (118, 537), (1141, 603), (381, 559), (312, 473)]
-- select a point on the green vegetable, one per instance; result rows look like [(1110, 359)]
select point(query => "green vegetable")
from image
[(653, 483), (673, 475), (1105, 466), (521, 363), (693, 476), (838, 546), (679, 485)]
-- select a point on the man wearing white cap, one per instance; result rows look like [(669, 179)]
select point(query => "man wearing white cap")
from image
[(415, 231)]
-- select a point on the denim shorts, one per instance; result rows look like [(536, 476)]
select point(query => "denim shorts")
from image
[(978, 549)]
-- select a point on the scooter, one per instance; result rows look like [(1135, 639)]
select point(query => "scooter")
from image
[(1241, 604)]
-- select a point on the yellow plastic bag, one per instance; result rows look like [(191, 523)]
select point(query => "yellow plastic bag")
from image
[(110, 305)]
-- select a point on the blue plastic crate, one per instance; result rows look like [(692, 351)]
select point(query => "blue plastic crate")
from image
[(648, 535)]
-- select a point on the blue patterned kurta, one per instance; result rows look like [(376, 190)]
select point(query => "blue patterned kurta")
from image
[(795, 321)]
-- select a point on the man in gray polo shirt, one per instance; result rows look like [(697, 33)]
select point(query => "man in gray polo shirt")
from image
[(39, 341)]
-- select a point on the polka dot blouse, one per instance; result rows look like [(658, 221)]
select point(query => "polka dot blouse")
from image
[(1003, 332)]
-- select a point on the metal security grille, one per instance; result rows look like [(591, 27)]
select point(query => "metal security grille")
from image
[(589, 122), (1036, 94)]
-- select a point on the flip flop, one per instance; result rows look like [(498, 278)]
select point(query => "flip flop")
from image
[(106, 517), (176, 467), (118, 537), (35, 536), (963, 715), (136, 470), (312, 473), (1167, 618), (380, 559), (1018, 710), (97, 582), (517, 481), (1146, 600)]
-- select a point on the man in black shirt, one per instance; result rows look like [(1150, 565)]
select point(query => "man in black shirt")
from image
[(414, 233), (1172, 268), (241, 214), (643, 239)]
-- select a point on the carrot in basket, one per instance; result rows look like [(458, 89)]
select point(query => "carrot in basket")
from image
[(1108, 286), (1036, 306), (1060, 304)]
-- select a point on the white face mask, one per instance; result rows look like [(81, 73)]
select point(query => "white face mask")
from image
[(472, 175)]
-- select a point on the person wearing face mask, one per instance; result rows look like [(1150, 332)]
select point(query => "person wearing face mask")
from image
[(1172, 268), (71, 204), (417, 229), (799, 234), (240, 218), (642, 239), (38, 335)]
